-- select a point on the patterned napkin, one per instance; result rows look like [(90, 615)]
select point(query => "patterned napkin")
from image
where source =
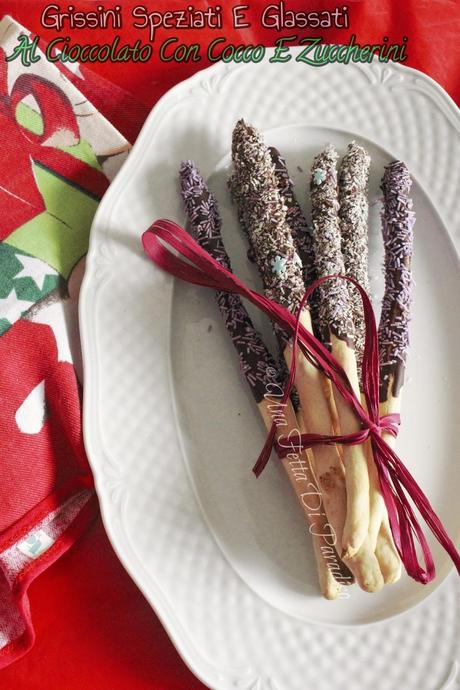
[(57, 158)]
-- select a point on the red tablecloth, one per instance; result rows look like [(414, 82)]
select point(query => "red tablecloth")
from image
[(94, 629)]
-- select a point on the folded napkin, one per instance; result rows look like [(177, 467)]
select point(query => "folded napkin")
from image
[(57, 158)]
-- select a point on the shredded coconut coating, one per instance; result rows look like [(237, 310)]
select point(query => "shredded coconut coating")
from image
[(256, 362), (354, 215), (301, 233), (398, 221), (335, 311), (261, 208)]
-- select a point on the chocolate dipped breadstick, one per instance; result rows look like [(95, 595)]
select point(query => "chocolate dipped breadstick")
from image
[(336, 315), (301, 236), (260, 371), (262, 212), (398, 221), (303, 241), (255, 190), (353, 218)]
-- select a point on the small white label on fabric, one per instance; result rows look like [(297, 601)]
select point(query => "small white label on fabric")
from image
[(35, 544)]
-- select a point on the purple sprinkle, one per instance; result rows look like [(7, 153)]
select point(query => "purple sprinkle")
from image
[(398, 221)]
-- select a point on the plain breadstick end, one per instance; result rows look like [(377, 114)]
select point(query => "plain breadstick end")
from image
[(390, 563), (330, 588), (366, 569), (388, 557), (330, 592), (372, 584), (355, 530)]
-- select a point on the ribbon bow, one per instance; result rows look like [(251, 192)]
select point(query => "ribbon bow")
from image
[(396, 482)]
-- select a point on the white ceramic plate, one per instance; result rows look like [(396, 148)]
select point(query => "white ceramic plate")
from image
[(171, 431)]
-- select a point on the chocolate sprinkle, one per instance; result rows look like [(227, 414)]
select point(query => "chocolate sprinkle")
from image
[(256, 362), (353, 215), (335, 311), (398, 221)]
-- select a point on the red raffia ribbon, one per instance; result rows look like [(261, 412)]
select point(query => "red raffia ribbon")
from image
[(396, 482)]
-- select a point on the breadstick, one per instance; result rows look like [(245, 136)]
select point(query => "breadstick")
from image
[(387, 554), (398, 221), (353, 217), (303, 241), (255, 190), (257, 365), (336, 314)]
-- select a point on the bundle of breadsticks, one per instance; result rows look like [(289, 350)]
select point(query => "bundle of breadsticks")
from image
[(263, 377), (348, 522)]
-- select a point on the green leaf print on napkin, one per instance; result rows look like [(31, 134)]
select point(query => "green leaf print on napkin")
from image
[(59, 236)]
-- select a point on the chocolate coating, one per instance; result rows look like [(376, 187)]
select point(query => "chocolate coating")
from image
[(353, 215), (261, 208), (256, 362), (398, 221), (335, 311)]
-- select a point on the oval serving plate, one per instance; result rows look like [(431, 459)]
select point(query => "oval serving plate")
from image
[(256, 524), (169, 427)]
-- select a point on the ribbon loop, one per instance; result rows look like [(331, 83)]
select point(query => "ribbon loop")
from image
[(396, 482)]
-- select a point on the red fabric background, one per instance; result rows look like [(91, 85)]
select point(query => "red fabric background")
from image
[(94, 630)]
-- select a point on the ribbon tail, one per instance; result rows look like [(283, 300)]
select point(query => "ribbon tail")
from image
[(411, 528), (264, 456), (404, 483)]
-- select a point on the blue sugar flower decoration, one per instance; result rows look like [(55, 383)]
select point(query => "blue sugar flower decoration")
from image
[(278, 265), (319, 176)]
